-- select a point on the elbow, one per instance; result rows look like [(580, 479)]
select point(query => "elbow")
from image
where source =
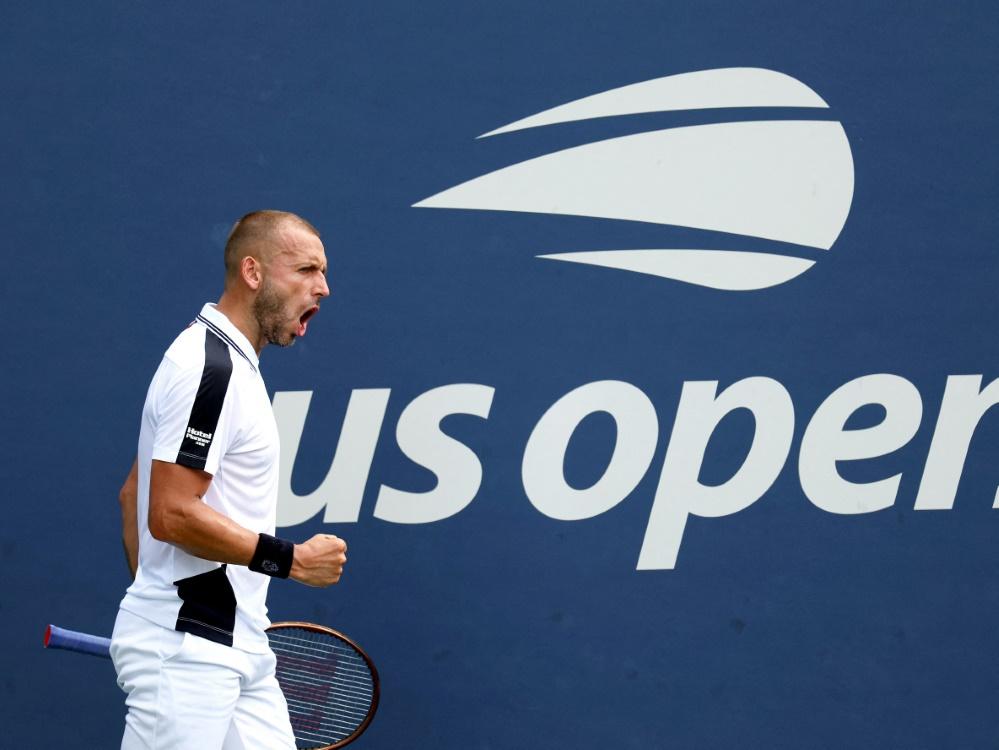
[(127, 497), (164, 525), (129, 492), (158, 527)]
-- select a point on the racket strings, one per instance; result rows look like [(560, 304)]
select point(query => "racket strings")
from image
[(328, 685)]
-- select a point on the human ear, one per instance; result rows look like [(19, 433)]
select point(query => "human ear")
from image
[(250, 269)]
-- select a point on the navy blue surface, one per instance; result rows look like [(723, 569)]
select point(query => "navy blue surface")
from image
[(133, 134)]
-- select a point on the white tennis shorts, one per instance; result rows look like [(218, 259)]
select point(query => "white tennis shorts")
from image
[(188, 693)]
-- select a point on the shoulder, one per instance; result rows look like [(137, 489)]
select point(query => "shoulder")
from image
[(199, 348), (197, 361), (187, 350)]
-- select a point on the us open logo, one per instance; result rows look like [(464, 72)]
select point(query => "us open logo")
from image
[(787, 181)]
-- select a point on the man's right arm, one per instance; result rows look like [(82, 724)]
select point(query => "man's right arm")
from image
[(179, 516), (128, 498)]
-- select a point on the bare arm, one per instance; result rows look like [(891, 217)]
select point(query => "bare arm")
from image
[(127, 497), (178, 515)]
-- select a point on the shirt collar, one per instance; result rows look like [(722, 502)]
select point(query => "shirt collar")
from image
[(221, 325)]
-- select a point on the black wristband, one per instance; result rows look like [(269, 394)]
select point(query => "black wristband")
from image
[(273, 556)]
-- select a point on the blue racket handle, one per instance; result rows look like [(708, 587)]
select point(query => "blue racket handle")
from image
[(83, 643)]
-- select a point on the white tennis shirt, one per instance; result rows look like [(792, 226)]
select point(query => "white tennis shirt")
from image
[(207, 408)]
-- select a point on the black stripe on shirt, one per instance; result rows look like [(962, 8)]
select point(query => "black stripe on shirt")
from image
[(209, 608), (207, 408), (226, 338)]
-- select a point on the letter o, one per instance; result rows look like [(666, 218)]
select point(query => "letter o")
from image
[(544, 456)]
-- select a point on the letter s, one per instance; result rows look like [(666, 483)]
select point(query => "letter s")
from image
[(458, 470)]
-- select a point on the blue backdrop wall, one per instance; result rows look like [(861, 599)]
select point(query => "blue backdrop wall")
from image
[(707, 496)]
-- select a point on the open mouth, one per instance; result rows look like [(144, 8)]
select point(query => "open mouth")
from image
[(303, 321)]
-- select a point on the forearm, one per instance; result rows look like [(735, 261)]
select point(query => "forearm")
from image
[(128, 498), (178, 515), (202, 531), (130, 542)]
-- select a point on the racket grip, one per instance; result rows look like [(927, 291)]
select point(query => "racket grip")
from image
[(83, 643)]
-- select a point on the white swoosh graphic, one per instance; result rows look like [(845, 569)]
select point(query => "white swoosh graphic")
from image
[(730, 270), (784, 180), (703, 89)]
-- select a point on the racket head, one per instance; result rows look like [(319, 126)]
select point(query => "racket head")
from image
[(330, 683)]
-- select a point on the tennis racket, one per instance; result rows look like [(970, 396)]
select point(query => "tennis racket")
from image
[(330, 684)]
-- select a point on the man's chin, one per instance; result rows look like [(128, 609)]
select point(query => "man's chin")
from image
[(286, 340)]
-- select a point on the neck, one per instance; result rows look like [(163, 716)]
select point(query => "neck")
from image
[(240, 313)]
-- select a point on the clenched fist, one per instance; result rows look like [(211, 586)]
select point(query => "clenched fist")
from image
[(319, 561)]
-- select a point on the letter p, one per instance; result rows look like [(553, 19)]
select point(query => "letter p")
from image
[(680, 492)]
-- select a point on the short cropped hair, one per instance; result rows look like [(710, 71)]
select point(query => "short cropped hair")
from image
[(254, 229)]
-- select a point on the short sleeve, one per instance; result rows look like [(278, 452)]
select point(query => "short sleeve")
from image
[(189, 410)]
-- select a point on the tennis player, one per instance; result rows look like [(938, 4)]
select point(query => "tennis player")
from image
[(199, 508)]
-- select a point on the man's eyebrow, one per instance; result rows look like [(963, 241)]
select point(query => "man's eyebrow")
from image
[(308, 263)]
